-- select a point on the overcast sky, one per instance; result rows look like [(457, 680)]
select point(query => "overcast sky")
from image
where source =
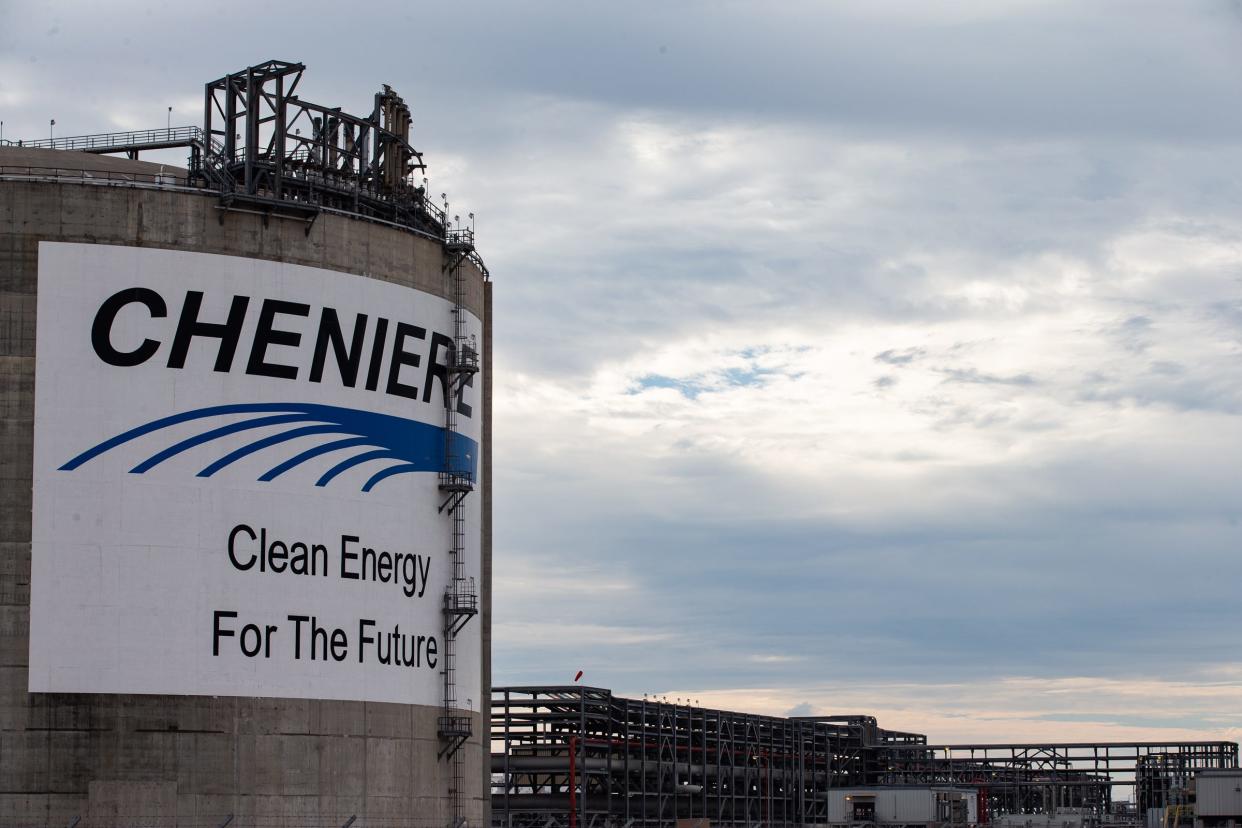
[(850, 356)]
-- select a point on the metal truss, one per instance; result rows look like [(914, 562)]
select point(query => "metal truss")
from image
[(268, 148), (264, 149), (580, 757), (1037, 778), (130, 142)]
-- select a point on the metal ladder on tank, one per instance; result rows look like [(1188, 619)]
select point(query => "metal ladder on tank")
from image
[(461, 601)]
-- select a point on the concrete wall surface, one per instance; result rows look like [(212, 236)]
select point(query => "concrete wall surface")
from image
[(147, 760)]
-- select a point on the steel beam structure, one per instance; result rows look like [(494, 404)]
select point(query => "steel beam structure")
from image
[(580, 757), (264, 149), (1034, 778), (268, 148)]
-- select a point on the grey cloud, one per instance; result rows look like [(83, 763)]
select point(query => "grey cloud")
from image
[(867, 170), (944, 597), (1188, 394), (1135, 332), (975, 376), (900, 357), (1168, 369), (1118, 69), (974, 417)]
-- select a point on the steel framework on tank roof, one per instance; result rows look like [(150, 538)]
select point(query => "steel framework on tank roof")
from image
[(264, 149)]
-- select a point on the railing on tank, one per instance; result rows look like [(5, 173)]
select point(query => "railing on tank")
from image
[(177, 177), (157, 179), (459, 238), (102, 142), (406, 205)]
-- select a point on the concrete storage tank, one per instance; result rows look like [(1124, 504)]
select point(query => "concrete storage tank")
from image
[(245, 515)]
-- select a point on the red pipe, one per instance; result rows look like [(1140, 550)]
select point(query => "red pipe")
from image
[(573, 794)]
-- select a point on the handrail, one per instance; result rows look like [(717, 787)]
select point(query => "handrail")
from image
[(129, 138), (213, 163), (212, 167), (93, 176), (178, 181)]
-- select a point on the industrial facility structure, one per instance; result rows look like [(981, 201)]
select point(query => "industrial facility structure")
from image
[(580, 757), (246, 507)]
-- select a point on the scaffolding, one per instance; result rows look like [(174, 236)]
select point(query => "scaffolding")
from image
[(580, 757)]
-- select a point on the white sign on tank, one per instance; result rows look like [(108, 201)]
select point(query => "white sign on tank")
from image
[(235, 479)]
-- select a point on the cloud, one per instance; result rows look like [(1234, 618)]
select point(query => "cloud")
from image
[(972, 375), (903, 357), (1014, 709), (860, 353)]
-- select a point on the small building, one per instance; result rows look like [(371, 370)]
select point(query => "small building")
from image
[(908, 806), (1060, 818), (1218, 798)]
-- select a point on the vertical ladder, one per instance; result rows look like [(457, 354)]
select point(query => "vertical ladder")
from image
[(456, 483)]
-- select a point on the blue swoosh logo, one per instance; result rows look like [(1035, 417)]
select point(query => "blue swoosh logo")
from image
[(411, 446)]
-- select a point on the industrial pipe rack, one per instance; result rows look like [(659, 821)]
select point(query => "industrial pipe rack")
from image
[(580, 757), (1036, 778)]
